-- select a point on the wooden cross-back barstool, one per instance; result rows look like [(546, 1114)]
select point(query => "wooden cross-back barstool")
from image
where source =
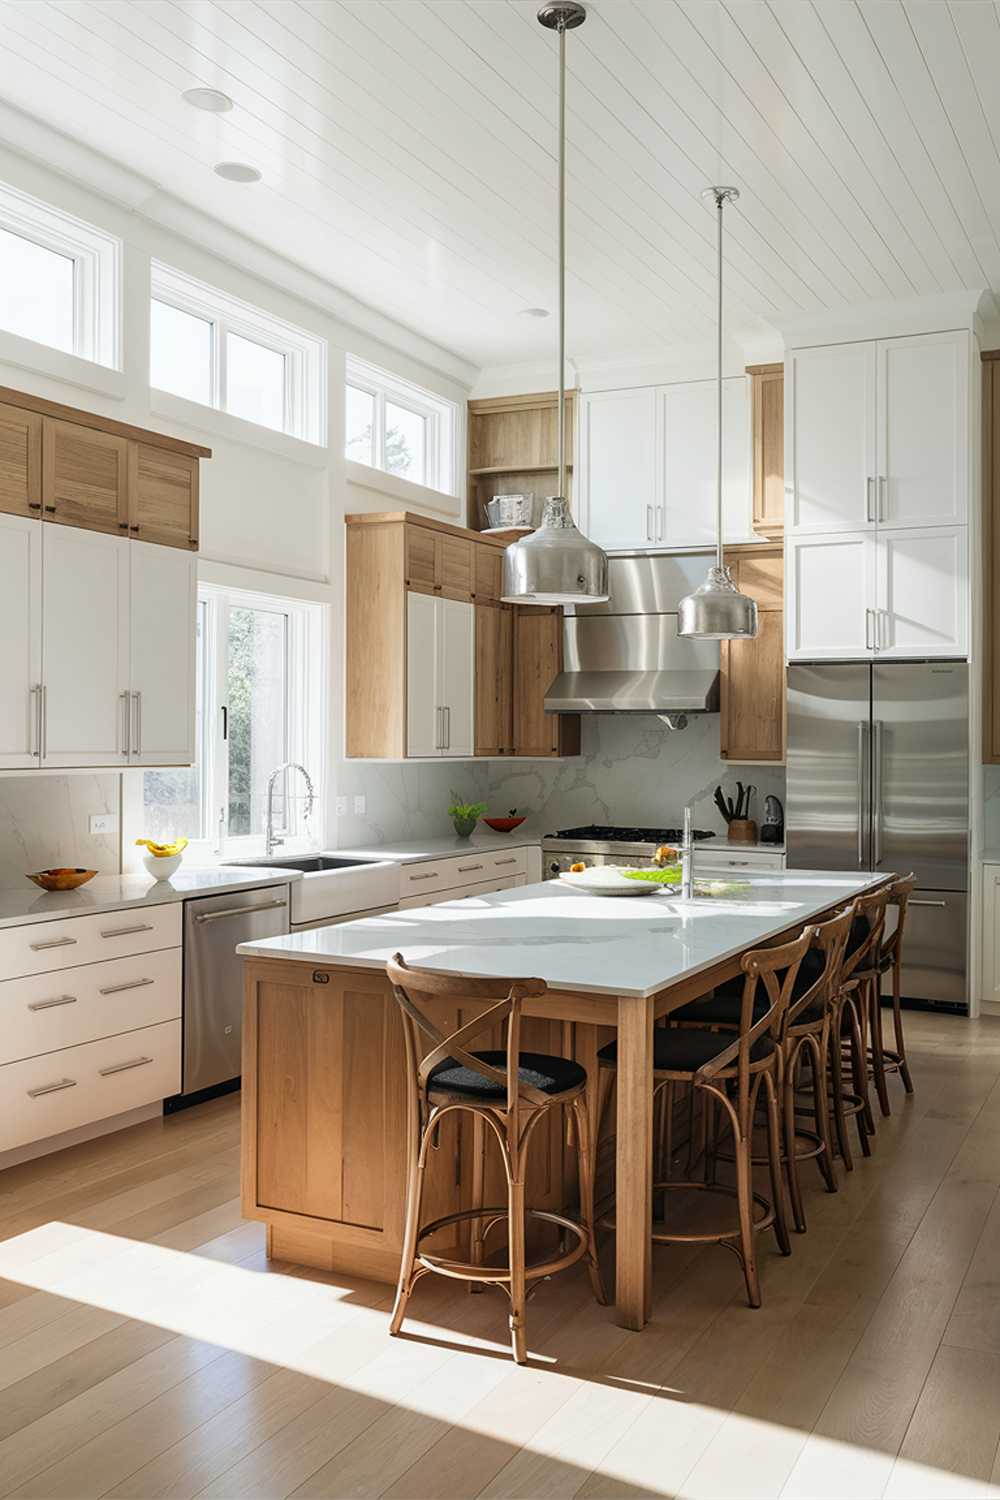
[(730, 1071), (888, 960), (507, 1092), (849, 1012)]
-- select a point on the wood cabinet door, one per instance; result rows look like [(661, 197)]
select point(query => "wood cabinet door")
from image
[(487, 575), (494, 679), (21, 634), (453, 566), (84, 477), (456, 674), (85, 647), (923, 430), (537, 661), (752, 688), (423, 705), (767, 427), (923, 592), (20, 461), (163, 616), (831, 596), (420, 557), (619, 488), (830, 446), (163, 496)]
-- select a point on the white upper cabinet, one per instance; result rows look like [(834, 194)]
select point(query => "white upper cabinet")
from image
[(440, 676), (830, 585), (85, 656), (617, 476), (924, 437), (21, 638), (686, 516), (923, 592), (830, 438), (162, 695)]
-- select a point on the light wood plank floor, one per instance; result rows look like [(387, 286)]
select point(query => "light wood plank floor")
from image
[(147, 1348)]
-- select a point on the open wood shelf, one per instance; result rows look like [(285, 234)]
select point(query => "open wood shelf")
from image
[(513, 439)]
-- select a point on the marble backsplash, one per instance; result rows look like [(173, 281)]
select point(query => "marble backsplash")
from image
[(631, 770), (44, 822)]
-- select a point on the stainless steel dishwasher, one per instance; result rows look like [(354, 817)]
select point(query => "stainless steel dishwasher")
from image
[(213, 982)]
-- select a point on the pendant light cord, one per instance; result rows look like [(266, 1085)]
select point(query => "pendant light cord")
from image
[(561, 408), (719, 201)]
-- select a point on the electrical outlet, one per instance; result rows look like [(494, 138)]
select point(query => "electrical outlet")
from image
[(103, 823), (359, 807), (341, 807)]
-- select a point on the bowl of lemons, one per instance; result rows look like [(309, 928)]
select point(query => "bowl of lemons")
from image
[(162, 860)]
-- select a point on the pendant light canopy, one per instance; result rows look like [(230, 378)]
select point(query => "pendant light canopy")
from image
[(717, 611), (557, 564)]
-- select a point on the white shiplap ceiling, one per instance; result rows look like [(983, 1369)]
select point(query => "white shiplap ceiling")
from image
[(408, 149)]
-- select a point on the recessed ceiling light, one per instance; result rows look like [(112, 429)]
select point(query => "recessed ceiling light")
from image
[(237, 171), (534, 312), (214, 100)]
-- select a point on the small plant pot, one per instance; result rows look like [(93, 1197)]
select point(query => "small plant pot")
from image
[(162, 869), (464, 827), (743, 831)]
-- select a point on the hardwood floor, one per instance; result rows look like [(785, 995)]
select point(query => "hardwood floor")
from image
[(147, 1348)]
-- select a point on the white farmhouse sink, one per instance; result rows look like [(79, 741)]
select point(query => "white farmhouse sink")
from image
[(333, 887)]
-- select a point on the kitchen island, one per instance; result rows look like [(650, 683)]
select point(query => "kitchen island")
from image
[(324, 1128)]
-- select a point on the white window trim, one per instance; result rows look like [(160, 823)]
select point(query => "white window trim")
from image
[(307, 659), (97, 259), (305, 354), (442, 415)]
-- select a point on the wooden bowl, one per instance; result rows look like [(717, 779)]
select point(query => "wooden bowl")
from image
[(62, 879), (503, 825)]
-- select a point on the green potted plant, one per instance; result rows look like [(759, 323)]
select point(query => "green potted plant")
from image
[(465, 816)]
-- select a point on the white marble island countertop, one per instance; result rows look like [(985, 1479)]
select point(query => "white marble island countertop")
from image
[(21, 904), (588, 944)]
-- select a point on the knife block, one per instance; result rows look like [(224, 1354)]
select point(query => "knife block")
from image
[(743, 830)]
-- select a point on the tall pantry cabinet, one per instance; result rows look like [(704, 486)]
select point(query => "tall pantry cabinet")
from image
[(98, 622), (878, 437)]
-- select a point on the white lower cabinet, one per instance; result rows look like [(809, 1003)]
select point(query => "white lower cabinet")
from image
[(708, 859), (990, 977), (90, 1021), (899, 592), (440, 676), (425, 882)]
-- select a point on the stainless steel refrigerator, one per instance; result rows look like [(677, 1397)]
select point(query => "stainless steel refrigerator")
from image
[(878, 779)]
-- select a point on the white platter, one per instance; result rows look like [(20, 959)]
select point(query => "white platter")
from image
[(607, 881)]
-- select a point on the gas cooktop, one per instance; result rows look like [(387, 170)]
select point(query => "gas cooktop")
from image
[(596, 833)]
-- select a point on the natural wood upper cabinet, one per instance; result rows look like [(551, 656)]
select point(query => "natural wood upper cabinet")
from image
[(767, 422), (752, 700), (517, 653), (20, 461), (79, 469)]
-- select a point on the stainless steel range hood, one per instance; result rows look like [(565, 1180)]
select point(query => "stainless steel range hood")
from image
[(625, 656)]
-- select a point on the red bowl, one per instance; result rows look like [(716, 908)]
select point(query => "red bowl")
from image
[(503, 825)]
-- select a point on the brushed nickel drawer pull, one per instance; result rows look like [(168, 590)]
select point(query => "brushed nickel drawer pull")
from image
[(434, 875), (52, 1088), (464, 869), (48, 1004), (499, 862), (136, 1062), (127, 931), (133, 984), (63, 942)]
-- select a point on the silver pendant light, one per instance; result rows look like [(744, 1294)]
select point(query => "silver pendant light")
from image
[(557, 564), (718, 611)]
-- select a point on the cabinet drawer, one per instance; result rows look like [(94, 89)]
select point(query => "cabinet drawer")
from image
[(43, 1096), (46, 1012), (65, 943), (426, 877), (753, 859), (460, 893), (460, 870)]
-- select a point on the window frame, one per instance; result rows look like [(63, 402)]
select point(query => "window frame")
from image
[(97, 260), (305, 719), (439, 413), (305, 354)]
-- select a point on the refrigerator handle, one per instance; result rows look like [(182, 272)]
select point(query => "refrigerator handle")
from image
[(862, 726), (877, 797)]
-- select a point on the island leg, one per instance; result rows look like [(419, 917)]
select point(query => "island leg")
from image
[(633, 1189)]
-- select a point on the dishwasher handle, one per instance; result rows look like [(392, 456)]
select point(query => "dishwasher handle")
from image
[(237, 911)]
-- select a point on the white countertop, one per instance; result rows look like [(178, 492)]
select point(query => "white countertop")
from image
[(592, 944), (19, 905), (410, 851)]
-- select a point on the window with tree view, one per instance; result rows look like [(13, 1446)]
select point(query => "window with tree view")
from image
[(260, 697), (393, 425)]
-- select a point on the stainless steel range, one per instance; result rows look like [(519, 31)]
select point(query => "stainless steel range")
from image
[(612, 845)]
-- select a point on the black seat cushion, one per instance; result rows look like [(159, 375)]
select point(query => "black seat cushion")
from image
[(552, 1075), (723, 1008), (686, 1051)]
